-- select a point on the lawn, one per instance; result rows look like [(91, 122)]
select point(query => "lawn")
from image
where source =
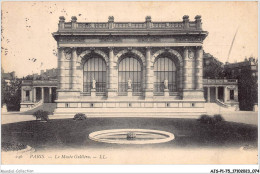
[(67, 133)]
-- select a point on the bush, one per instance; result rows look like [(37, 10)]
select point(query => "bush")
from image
[(12, 146), (218, 118), (79, 116), (205, 119), (42, 115)]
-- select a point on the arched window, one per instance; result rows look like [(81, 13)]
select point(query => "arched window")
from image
[(95, 68), (164, 69), (129, 68)]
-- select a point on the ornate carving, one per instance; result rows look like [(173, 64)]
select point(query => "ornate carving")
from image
[(79, 50), (99, 52), (134, 51), (111, 19), (171, 51), (67, 53), (190, 54)]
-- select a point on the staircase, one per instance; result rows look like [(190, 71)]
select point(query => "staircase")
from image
[(50, 107), (219, 107), (132, 112)]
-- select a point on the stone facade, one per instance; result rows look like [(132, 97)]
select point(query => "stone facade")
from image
[(179, 44)]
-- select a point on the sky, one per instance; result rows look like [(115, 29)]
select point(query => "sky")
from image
[(28, 46)]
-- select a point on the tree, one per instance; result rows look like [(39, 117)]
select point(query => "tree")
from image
[(212, 68), (11, 94)]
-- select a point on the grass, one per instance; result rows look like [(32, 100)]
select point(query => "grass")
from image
[(66, 133)]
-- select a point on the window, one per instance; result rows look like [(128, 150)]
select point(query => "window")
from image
[(130, 68), (27, 94), (164, 69), (94, 68), (231, 94)]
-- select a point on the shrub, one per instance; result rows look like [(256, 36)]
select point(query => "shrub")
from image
[(42, 115), (131, 136), (205, 119), (6, 146), (218, 118), (79, 116)]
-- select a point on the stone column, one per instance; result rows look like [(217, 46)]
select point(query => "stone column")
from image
[(148, 75), (112, 89), (22, 95), (236, 94), (42, 88), (74, 84), (216, 92), (31, 96), (224, 94), (50, 94), (34, 94), (208, 96), (199, 68), (61, 68), (187, 76)]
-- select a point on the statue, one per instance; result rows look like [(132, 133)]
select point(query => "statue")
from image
[(93, 83), (165, 84), (129, 83)]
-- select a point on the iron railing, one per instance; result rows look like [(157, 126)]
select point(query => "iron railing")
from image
[(100, 86), (159, 87)]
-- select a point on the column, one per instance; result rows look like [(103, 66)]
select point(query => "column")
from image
[(73, 82), (42, 88), (208, 96), (61, 68), (31, 96), (148, 75), (50, 94), (224, 93), (216, 92), (236, 94), (187, 67), (34, 94), (22, 94), (199, 68), (112, 89)]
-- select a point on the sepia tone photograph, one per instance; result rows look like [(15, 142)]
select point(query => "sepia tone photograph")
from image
[(129, 82)]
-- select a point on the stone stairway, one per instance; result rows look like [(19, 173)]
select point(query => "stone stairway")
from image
[(50, 107), (216, 108), (133, 112)]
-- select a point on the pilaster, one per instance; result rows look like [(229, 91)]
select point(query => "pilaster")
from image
[(199, 68), (61, 68), (74, 84), (112, 88), (148, 75)]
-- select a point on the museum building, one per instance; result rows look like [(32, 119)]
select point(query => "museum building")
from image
[(130, 68)]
